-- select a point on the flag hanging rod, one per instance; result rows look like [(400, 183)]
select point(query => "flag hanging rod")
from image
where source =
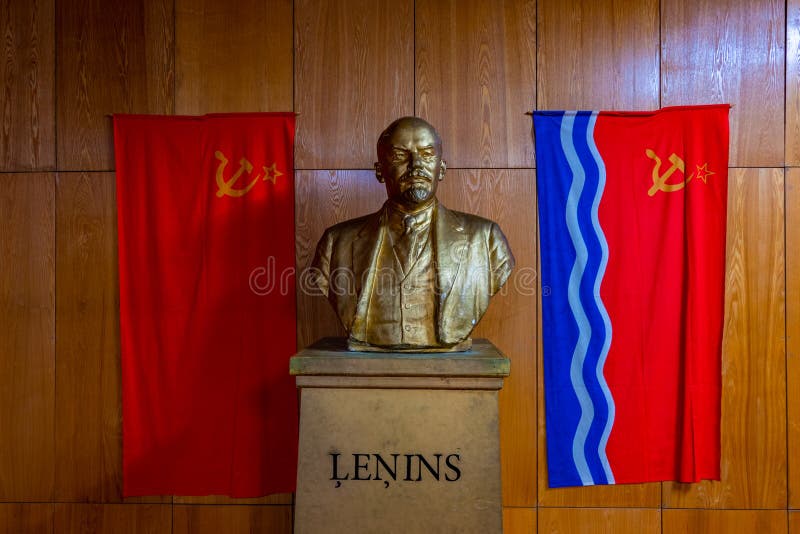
[(530, 113), (110, 115)]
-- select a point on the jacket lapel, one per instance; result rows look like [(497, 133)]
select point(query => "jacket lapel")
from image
[(366, 246), (451, 248)]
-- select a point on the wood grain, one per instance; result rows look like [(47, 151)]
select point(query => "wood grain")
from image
[(507, 197), (232, 519), (26, 518), (598, 55), (519, 520), (27, 86), (598, 521), (27, 344), (322, 199), (88, 398), (729, 51), (88, 395), (475, 78), (355, 70), (793, 330), (727, 521), (113, 57), (71, 518), (233, 56), (354, 74), (753, 460), (793, 83)]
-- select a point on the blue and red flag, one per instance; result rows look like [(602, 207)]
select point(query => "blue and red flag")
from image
[(632, 214)]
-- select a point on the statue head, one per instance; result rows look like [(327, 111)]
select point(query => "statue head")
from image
[(410, 161)]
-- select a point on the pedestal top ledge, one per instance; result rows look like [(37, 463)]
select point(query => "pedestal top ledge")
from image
[(330, 357)]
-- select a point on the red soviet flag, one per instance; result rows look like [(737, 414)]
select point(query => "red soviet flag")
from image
[(207, 303)]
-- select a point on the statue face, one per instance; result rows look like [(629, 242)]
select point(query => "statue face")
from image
[(410, 161)]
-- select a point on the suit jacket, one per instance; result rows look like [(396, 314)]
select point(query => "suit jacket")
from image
[(471, 257)]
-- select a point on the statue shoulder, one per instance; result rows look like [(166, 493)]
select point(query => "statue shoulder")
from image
[(498, 254), (471, 223)]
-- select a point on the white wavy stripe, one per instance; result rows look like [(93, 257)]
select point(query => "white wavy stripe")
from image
[(601, 184), (584, 331)]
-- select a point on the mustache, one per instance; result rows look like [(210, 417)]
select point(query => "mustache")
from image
[(415, 175)]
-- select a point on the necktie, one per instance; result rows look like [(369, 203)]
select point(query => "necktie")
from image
[(406, 244)]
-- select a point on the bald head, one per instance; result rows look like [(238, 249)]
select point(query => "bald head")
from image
[(408, 124), (410, 161)]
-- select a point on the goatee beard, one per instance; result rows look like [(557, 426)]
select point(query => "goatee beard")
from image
[(416, 194)]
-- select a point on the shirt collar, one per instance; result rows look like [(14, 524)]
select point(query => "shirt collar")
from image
[(396, 216)]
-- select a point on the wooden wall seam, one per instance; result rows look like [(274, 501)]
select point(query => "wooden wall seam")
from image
[(792, 202)]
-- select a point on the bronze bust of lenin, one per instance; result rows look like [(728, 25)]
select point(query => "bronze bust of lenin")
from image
[(414, 276)]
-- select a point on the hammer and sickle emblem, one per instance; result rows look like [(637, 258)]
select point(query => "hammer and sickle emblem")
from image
[(660, 180), (226, 187)]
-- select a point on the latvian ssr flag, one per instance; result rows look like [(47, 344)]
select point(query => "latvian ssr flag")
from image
[(207, 303), (632, 213)]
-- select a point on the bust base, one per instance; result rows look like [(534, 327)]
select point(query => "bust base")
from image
[(358, 346), (398, 442)]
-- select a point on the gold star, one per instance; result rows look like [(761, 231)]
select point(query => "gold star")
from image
[(271, 173), (703, 173)]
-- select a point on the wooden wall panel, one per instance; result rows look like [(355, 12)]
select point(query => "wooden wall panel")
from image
[(519, 520), (358, 65), (753, 353), (793, 330), (354, 74), (598, 55), (727, 521), (112, 57), (88, 395), (26, 518), (27, 340), (113, 519), (598, 521), (617, 496), (27, 82), (233, 56), (793, 82), (507, 197), (729, 51), (232, 519), (475, 78), (324, 198), (88, 401)]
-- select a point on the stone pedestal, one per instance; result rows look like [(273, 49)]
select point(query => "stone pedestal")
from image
[(398, 442)]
